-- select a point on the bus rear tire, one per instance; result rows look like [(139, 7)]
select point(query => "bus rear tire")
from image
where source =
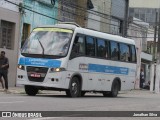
[(74, 88), (114, 90), (31, 90)]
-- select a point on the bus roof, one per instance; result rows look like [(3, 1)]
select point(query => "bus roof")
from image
[(105, 35), (93, 33)]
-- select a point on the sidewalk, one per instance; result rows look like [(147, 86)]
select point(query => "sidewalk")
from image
[(14, 90)]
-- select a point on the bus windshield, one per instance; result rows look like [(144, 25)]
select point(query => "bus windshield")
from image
[(48, 41)]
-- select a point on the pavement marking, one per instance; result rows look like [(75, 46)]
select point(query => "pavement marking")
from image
[(11, 102)]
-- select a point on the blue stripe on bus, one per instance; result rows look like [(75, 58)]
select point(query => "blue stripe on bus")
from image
[(107, 69), (40, 62)]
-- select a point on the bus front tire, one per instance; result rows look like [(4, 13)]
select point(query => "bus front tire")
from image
[(74, 88), (114, 90), (83, 93), (31, 90)]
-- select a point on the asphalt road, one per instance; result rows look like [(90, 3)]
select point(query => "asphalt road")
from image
[(57, 101)]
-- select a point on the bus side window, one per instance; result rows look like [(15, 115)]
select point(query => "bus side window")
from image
[(78, 45), (101, 48), (124, 52), (114, 50), (90, 46)]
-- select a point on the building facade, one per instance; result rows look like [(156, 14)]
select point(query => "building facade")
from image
[(107, 16), (73, 11), (119, 14), (99, 16), (9, 35), (144, 10), (138, 31), (35, 13)]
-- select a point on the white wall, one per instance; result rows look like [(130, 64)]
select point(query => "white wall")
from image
[(145, 3), (10, 6)]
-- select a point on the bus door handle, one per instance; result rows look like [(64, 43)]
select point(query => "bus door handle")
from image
[(90, 79), (123, 81)]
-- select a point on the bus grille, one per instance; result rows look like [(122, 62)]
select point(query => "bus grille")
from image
[(36, 79), (39, 70)]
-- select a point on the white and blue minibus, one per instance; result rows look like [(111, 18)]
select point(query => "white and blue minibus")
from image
[(66, 57)]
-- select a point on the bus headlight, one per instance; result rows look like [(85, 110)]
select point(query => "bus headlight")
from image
[(20, 67), (57, 69)]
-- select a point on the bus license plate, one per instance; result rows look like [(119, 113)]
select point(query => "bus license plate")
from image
[(35, 75)]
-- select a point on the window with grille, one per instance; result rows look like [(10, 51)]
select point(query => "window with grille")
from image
[(7, 34)]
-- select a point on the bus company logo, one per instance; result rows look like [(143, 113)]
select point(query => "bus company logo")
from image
[(6, 114), (83, 66)]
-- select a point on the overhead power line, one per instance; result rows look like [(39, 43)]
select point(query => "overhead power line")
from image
[(68, 12), (139, 37), (32, 10), (56, 18), (93, 12)]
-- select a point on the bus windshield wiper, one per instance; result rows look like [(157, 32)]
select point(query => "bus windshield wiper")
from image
[(41, 46)]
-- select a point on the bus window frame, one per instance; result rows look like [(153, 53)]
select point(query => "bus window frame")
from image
[(107, 44), (77, 55), (95, 53)]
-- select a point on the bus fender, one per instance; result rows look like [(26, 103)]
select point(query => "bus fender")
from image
[(79, 76)]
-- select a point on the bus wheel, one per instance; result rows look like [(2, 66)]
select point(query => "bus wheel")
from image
[(74, 88), (83, 93), (31, 90), (115, 88)]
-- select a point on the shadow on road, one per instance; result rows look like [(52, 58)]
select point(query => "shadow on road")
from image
[(86, 96)]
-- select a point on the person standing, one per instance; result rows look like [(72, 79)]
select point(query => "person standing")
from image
[(4, 65), (141, 78)]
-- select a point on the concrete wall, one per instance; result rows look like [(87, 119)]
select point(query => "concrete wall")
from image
[(12, 16), (10, 6), (103, 6), (118, 8), (79, 19)]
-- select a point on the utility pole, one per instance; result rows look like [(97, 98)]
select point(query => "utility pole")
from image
[(125, 23), (158, 60), (152, 69), (155, 37)]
